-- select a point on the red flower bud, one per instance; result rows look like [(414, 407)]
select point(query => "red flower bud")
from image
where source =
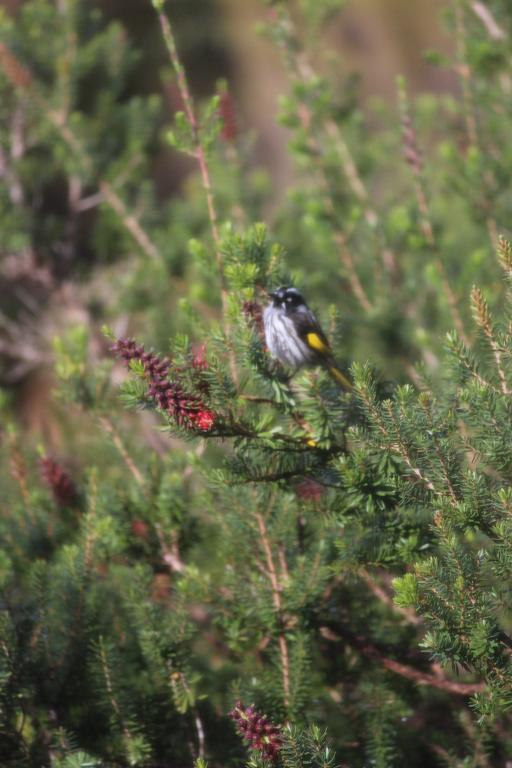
[(140, 529), (204, 420)]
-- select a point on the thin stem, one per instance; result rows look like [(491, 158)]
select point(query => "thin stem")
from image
[(22, 79), (494, 31), (67, 60), (414, 161), (18, 469), (380, 593), (198, 723), (130, 222), (340, 238), (258, 399), (127, 737), (170, 555), (350, 267), (402, 450), (88, 552), (199, 151), (107, 425), (465, 73), (109, 195), (276, 598), (300, 66), (404, 670), (339, 235), (438, 451), (89, 538), (349, 166), (17, 148)]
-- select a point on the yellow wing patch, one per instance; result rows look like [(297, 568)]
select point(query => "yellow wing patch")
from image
[(314, 341)]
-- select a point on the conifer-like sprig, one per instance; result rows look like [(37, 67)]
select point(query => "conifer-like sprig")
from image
[(505, 255), (484, 321), (458, 447)]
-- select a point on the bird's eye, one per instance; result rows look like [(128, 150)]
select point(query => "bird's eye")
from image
[(288, 299)]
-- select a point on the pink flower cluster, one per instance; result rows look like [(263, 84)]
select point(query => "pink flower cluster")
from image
[(257, 730), (187, 409)]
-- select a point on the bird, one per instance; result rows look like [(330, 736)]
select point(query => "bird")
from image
[(294, 336)]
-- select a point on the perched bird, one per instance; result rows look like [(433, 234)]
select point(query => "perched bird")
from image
[(294, 336)]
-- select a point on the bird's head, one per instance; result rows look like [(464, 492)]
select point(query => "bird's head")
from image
[(286, 297)]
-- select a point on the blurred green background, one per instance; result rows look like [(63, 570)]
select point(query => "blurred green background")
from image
[(372, 40)]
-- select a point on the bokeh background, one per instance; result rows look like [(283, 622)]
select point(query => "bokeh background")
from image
[(384, 200), (372, 41)]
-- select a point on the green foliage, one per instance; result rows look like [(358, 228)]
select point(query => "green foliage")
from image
[(339, 561), (454, 454), (306, 747)]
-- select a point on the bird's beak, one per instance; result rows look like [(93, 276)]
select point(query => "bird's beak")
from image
[(272, 295)]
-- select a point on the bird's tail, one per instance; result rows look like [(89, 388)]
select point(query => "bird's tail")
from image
[(340, 377)]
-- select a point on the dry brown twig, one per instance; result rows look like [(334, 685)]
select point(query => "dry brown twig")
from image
[(494, 31), (381, 594), (431, 679)]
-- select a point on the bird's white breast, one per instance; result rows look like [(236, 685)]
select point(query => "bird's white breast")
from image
[(282, 339)]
